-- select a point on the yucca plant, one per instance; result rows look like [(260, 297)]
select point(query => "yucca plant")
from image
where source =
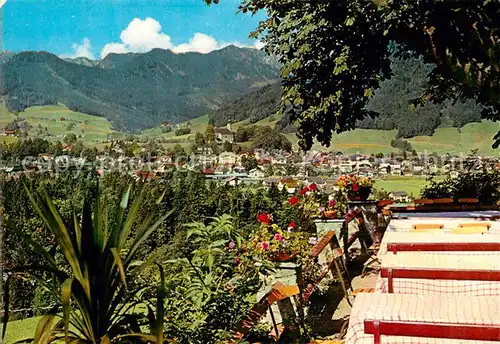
[(92, 283)]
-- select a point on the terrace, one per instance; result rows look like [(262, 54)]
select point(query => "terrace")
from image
[(434, 275)]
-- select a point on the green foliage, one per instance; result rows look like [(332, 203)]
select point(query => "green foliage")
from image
[(44, 301), (463, 112), (334, 54), (270, 140), (182, 131), (227, 146), (190, 197), (210, 134), (249, 163), (481, 184), (403, 145), (254, 106), (210, 289), (199, 139), (70, 138), (244, 134), (90, 281)]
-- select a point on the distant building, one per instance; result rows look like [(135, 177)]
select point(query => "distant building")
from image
[(256, 173), (400, 196), (9, 132), (228, 158), (233, 181), (224, 134)]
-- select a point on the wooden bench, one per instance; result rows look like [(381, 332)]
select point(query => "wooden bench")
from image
[(442, 246), (436, 274), (430, 330)]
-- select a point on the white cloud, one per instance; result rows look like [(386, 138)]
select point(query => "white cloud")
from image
[(81, 50), (117, 48), (2, 2), (200, 43), (143, 35)]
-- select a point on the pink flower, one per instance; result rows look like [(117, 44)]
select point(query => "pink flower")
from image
[(292, 225), (332, 203), (293, 200), (231, 244), (278, 237), (313, 187), (303, 191), (265, 245)]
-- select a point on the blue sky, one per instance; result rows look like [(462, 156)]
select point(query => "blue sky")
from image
[(86, 27)]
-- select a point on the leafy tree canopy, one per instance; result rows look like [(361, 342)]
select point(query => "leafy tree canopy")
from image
[(334, 53)]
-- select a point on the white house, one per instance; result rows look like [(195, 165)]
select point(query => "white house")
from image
[(233, 181), (228, 158), (256, 173), (400, 196), (363, 164), (224, 134)]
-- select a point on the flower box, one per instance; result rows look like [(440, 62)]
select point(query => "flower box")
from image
[(282, 257)]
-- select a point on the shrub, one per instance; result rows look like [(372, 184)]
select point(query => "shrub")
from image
[(483, 185), (182, 131)]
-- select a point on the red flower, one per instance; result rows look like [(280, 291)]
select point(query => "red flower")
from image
[(313, 187), (303, 190), (355, 187), (293, 200), (264, 218), (292, 225)]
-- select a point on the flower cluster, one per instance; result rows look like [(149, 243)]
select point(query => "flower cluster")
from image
[(354, 182), (272, 240), (335, 206), (307, 201)]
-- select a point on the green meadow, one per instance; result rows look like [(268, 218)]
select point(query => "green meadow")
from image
[(53, 122)]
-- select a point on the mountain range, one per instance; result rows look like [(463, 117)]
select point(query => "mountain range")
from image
[(136, 91)]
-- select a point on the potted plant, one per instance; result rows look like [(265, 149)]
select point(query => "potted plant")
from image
[(275, 243), (356, 187), (335, 207)]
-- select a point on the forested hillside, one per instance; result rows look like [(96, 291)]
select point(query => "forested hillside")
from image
[(393, 103), (254, 106), (135, 91)]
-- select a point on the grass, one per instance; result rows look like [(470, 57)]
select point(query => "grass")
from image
[(21, 329), (445, 140), (51, 123), (365, 141), (412, 185)]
